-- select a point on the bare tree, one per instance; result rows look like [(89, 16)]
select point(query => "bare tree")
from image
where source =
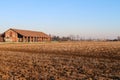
[(118, 38), (78, 37), (72, 37)]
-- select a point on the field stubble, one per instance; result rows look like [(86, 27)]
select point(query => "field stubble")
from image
[(60, 61)]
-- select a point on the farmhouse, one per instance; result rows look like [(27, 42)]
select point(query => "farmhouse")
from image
[(17, 35)]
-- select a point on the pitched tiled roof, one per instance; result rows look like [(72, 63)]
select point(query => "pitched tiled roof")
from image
[(30, 33)]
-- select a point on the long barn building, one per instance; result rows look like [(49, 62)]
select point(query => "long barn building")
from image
[(17, 35)]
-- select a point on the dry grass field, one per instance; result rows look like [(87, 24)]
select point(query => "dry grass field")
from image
[(60, 61)]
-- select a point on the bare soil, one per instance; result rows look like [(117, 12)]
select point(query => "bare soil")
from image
[(60, 61)]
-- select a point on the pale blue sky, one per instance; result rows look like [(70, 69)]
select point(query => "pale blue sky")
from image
[(89, 18)]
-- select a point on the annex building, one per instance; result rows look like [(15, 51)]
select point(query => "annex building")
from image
[(17, 35)]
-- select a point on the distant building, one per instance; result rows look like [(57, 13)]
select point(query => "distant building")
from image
[(17, 35)]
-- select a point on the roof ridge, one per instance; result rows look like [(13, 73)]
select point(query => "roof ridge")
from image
[(29, 32), (24, 30)]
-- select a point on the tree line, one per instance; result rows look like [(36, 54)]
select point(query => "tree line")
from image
[(78, 38)]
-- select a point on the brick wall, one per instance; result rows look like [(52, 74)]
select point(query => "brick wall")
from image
[(1, 39), (11, 36)]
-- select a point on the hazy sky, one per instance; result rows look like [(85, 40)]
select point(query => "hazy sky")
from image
[(89, 18)]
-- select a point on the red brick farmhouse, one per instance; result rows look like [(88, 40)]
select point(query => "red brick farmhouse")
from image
[(17, 35)]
